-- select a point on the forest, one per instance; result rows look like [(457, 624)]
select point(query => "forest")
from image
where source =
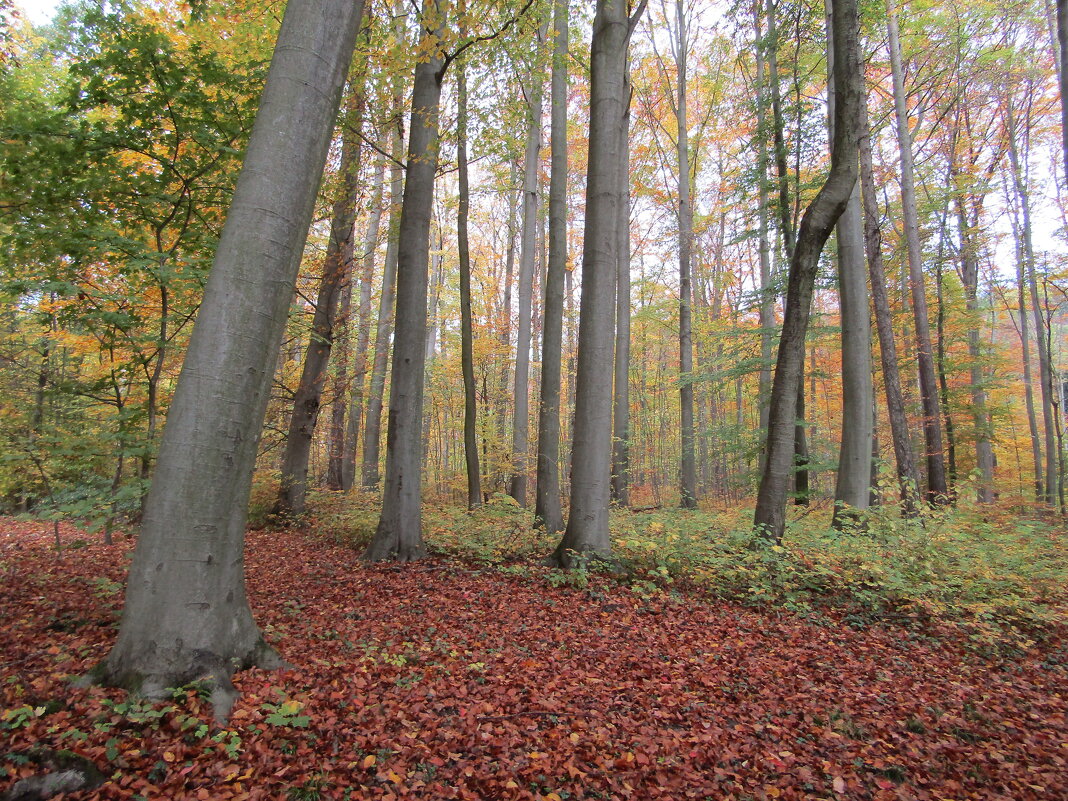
[(524, 399)]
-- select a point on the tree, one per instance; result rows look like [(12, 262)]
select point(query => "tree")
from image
[(186, 613), (547, 493), (474, 484), (816, 225), (937, 490), (591, 456), (337, 274), (853, 486)]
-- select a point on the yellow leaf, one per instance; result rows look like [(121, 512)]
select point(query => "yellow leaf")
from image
[(168, 756), (368, 761)]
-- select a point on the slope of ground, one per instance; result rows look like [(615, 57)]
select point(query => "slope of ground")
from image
[(441, 681)]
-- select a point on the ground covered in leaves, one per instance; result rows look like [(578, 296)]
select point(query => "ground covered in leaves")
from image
[(444, 680)]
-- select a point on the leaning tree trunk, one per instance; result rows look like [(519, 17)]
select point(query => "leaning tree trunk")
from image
[(816, 225), (467, 359), (337, 269), (399, 534), (907, 474), (853, 482), (528, 245), (186, 613), (937, 490), (591, 457), (547, 494), (688, 461)]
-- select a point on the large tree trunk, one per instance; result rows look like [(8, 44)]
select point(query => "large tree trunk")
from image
[(937, 490), (467, 359), (400, 530), (620, 491), (186, 613), (587, 526), (907, 474), (547, 495), (816, 225), (372, 434), (688, 461), (528, 247)]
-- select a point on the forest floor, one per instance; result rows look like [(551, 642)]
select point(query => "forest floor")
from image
[(444, 679)]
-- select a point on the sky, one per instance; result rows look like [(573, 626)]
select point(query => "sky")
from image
[(38, 11)]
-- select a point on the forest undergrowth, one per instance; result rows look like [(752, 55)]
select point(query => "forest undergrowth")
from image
[(904, 663)]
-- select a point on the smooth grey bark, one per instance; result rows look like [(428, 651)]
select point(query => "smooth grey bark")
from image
[(186, 613), (587, 531), (937, 490), (852, 489), (399, 535), (372, 436), (337, 271), (363, 333), (547, 506), (819, 219), (467, 359), (907, 474), (527, 252), (620, 488), (688, 461)]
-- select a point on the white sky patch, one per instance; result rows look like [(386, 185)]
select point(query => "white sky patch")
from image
[(39, 12)]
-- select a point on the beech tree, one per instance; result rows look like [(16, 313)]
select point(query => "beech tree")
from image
[(816, 225), (591, 455), (186, 613)]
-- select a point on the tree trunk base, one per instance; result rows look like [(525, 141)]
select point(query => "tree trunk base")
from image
[(154, 672)]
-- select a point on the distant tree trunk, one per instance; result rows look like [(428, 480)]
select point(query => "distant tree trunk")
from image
[(816, 225), (907, 474), (940, 363), (372, 436), (347, 467), (767, 296), (984, 452), (1062, 75), (587, 526), (467, 359), (399, 535), (547, 507), (186, 613), (853, 483), (1028, 272), (621, 379), (937, 490), (527, 253), (337, 269), (688, 463)]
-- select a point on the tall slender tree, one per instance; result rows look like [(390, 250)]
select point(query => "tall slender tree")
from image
[(937, 489), (547, 507)]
